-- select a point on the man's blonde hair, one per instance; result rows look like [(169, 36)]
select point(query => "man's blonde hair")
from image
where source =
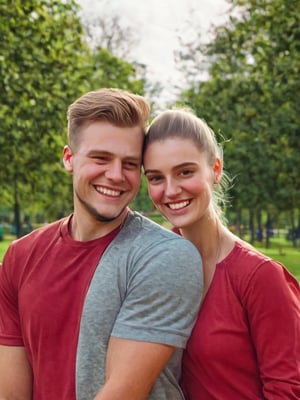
[(118, 107)]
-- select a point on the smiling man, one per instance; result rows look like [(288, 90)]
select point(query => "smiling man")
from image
[(99, 304)]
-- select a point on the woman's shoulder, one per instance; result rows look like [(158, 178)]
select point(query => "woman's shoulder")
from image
[(246, 265), (246, 252)]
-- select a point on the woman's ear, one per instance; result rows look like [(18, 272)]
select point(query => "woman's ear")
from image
[(217, 170), (68, 159)]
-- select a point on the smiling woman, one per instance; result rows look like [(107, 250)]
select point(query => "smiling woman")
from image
[(247, 296)]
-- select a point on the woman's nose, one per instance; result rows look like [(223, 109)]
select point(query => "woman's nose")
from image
[(172, 188)]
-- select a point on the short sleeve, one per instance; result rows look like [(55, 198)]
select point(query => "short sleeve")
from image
[(10, 330), (163, 294)]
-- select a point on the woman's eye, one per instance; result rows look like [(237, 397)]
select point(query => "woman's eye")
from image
[(186, 172), (153, 179)]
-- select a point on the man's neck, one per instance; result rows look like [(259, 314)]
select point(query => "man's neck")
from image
[(88, 228)]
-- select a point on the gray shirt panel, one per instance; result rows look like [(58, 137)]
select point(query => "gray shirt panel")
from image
[(147, 287)]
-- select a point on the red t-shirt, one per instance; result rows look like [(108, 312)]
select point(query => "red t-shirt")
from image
[(44, 280), (246, 341)]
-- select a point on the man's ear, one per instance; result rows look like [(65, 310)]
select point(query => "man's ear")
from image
[(217, 170), (68, 159)]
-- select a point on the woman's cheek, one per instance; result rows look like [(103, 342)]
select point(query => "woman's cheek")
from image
[(196, 186), (155, 193)]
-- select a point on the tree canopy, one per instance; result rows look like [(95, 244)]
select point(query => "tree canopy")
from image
[(251, 98), (45, 64)]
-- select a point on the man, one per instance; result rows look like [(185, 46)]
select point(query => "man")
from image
[(98, 305)]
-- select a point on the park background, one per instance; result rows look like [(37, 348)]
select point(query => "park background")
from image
[(241, 75)]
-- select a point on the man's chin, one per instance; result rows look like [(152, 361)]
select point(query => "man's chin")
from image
[(104, 218), (99, 212), (109, 216)]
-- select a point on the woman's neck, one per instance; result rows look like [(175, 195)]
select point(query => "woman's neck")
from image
[(204, 234), (213, 241)]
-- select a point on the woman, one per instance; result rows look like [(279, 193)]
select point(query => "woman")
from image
[(246, 340)]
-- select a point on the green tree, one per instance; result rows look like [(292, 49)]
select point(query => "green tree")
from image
[(112, 39), (46, 62), (251, 97), (41, 47), (107, 70)]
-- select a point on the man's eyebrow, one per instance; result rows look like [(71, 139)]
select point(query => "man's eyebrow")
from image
[(110, 154), (93, 151), (133, 158)]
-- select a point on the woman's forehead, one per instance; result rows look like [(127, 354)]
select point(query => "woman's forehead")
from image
[(171, 152)]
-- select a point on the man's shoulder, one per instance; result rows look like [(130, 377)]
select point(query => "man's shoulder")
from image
[(143, 234), (140, 224), (41, 233)]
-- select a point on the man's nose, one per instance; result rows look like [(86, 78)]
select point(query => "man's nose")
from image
[(115, 171)]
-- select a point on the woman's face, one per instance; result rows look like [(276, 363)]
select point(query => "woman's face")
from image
[(180, 180)]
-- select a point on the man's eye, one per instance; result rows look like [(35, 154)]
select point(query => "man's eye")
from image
[(131, 165), (100, 159)]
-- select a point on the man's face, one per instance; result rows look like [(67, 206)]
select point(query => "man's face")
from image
[(106, 168)]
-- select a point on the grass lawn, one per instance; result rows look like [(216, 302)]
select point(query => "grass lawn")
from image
[(280, 250), (3, 246)]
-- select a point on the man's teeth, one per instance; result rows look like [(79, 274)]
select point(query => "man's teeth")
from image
[(176, 206), (109, 192)]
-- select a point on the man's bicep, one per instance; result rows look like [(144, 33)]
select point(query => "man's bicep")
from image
[(162, 296), (15, 373), (132, 368)]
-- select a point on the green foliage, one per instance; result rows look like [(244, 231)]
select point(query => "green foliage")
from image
[(108, 70), (142, 202), (252, 99), (40, 45), (45, 64)]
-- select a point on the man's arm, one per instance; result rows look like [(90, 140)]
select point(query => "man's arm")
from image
[(15, 374), (132, 368)]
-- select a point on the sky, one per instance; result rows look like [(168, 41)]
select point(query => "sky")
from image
[(157, 23)]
